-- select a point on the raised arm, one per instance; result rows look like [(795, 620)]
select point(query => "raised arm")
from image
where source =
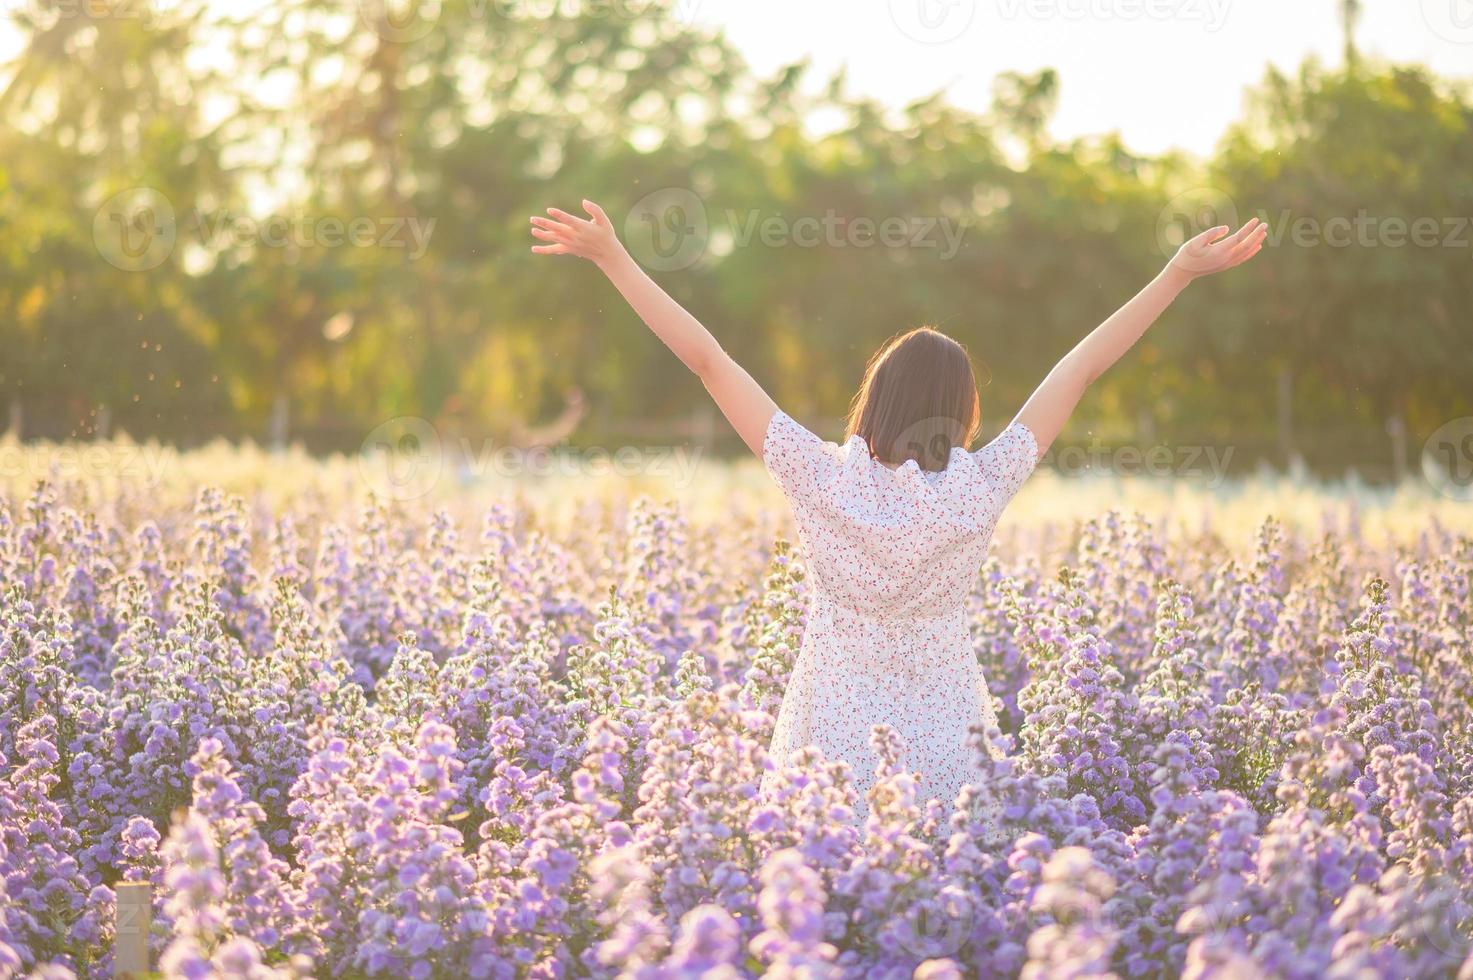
[(741, 399), (1051, 404)]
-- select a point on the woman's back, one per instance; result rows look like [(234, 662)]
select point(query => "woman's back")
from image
[(892, 551), (894, 542), (891, 556)]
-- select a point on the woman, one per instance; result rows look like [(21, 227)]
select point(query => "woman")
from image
[(895, 522)]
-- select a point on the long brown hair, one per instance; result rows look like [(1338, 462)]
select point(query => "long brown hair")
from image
[(918, 400)]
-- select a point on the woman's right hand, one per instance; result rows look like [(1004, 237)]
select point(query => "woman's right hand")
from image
[(591, 239), (740, 398)]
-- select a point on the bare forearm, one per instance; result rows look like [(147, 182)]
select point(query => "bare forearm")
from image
[(1051, 404), (1107, 343), (740, 398), (667, 319)]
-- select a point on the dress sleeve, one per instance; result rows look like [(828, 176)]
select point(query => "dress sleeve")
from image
[(1008, 460), (796, 458)]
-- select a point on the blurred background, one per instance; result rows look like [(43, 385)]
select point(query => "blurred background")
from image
[(289, 222)]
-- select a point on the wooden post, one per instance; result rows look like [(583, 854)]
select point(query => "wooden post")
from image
[(1286, 417), (1396, 427), (280, 413), (135, 921), (705, 428)]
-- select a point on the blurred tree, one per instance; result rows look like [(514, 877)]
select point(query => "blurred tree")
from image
[(344, 202), (1365, 296), (1349, 18), (104, 150)]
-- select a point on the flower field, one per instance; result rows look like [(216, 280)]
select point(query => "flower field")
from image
[(518, 732)]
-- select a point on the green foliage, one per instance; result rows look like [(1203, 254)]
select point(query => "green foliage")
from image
[(440, 138)]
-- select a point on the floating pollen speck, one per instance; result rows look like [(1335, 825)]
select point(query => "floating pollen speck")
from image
[(338, 326)]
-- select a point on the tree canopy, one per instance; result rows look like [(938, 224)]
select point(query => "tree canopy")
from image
[(210, 221)]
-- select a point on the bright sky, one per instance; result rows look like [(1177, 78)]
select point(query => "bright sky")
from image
[(1164, 73)]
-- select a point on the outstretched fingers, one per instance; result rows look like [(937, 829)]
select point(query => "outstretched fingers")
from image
[(1219, 237), (568, 234), (559, 235), (1248, 254), (1217, 249), (1203, 239), (548, 224), (595, 212), (571, 220), (1241, 235), (1248, 245)]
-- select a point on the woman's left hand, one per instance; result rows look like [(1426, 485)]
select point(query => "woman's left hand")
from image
[(1215, 250), (591, 239)]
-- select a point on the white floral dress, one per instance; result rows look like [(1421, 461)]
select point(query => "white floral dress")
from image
[(891, 555)]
